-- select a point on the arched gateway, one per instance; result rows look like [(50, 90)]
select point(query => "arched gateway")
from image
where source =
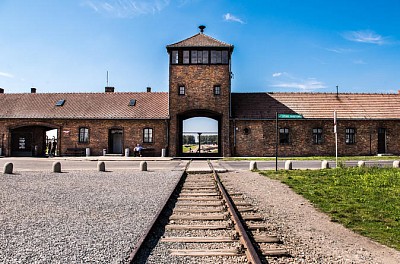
[(199, 86)]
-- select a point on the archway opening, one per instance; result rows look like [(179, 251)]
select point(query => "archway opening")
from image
[(200, 136)]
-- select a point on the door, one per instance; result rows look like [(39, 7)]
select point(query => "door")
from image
[(115, 141), (21, 144), (381, 140)]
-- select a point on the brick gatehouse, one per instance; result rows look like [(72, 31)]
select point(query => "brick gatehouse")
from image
[(199, 87)]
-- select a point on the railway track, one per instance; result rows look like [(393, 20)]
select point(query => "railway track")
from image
[(211, 223)]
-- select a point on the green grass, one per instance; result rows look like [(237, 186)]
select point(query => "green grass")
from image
[(366, 200), (316, 158)]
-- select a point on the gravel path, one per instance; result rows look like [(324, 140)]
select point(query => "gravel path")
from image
[(309, 234), (79, 216)]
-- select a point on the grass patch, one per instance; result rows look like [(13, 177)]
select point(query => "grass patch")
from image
[(342, 159), (365, 200)]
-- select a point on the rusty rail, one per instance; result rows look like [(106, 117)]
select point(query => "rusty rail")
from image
[(250, 250)]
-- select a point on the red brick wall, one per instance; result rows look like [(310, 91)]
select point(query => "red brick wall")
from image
[(98, 133), (260, 141), (199, 82)]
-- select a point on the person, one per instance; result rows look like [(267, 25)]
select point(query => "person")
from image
[(137, 151), (49, 149), (53, 149)]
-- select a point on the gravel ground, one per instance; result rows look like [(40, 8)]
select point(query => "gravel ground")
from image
[(309, 234), (79, 216)]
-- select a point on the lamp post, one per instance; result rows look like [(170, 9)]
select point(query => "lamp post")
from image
[(199, 141)]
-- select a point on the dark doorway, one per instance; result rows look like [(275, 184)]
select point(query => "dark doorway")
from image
[(115, 141), (381, 140), (29, 141)]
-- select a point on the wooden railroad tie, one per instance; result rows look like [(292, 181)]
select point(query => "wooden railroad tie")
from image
[(266, 239), (206, 252), (219, 239), (214, 203), (214, 217), (274, 251), (197, 227), (206, 210)]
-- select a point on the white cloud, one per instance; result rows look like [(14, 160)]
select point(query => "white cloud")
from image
[(309, 85), (276, 74), (359, 62), (339, 50), (126, 8), (6, 74), (365, 36), (232, 18)]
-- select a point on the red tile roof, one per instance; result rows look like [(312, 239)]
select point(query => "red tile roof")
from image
[(200, 40), (85, 105), (316, 105)]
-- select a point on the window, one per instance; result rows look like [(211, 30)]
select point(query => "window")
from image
[(175, 57), (21, 143), (83, 135), (225, 57), (216, 57), (217, 90), (194, 56), (205, 56), (148, 135), (317, 136), (185, 57), (60, 102), (284, 136), (350, 136), (181, 90), (132, 102)]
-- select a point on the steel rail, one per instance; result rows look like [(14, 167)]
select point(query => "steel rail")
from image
[(139, 245), (250, 251)]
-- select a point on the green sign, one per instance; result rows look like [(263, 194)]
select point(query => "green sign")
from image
[(290, 116)]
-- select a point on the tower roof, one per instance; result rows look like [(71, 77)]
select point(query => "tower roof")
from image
[(200, 40)]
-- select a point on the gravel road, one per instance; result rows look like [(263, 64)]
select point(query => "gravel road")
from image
[(309, 234), (79, 216)]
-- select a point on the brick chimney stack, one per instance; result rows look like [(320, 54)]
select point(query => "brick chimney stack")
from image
[(109, 89), (33, 90)]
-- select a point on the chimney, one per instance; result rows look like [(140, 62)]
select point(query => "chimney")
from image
[(149, 89), (33, 90), (1, 90), (109, 89), (398, 91)]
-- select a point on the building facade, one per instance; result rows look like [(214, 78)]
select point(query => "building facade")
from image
[(199, 87)]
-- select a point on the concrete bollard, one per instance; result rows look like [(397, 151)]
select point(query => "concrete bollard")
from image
[(104, 152), (143, 166), (87, 151), (127, 152), (57, 167), (8, 168), (253, 165), (1, 152), (325, 164), (396, 164), (163, 152), (361, 163), (101, 166), (288, 165)]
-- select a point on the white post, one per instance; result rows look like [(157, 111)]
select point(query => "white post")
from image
[(336, 136)]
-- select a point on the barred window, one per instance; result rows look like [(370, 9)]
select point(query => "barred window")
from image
[(217, 90), (317, 136), (181, 90), (83, 135), (148, 135), (350, 136), (175, 57), (284, 136), (185, 57)]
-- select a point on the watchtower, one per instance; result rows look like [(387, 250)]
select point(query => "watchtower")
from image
[(199, 86)]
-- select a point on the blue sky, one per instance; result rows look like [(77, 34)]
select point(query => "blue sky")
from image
[(281, 45)]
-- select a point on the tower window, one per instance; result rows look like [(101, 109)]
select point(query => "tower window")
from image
[(175, 57), (185, 57), (216, 57), (181, 90), (205, 56), (217, 90), (225, 57)]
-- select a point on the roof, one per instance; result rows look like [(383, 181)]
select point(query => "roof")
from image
[(200, 40), (85, 105), (316, 105)]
